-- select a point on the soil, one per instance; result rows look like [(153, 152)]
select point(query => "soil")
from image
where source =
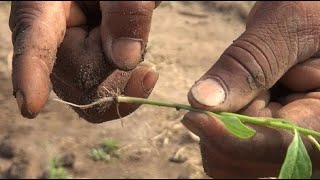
[(186, 39)]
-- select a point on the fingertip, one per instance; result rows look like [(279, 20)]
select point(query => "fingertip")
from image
[(22, 105), (203, 125), (207, 93), (31, 88), (141, 82), (195, 122), (149, 81), (126, 53)]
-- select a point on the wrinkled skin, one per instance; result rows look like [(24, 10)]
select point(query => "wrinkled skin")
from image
[(271, 70), (98, 46)]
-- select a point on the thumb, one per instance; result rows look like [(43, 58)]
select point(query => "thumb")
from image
[(38, 29), (125, 29), (258, 58)]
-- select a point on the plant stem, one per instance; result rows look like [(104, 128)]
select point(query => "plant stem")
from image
[(270, 122), (314, 141), (126, 99)]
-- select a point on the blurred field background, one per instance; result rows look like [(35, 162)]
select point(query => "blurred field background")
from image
[(185, 41)]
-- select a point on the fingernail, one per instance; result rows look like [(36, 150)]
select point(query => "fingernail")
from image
[(208, 92), (126, 53), (195, 122), (149, 81), (19, 98)]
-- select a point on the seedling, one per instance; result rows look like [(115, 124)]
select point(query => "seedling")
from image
[(109, 148), (56, 171), (98, 154), (297, 163)]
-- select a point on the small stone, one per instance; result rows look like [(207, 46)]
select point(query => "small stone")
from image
[(179, 156), (135, 157), (21, 168), (67, 160), (178, 159), (6, 150)]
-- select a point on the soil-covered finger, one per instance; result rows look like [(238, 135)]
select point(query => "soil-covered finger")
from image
[(125, 29), (37, 30)]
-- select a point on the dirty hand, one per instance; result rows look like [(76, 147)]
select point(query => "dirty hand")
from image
[(81, 50), (271, 70)]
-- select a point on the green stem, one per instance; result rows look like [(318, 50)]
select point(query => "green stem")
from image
[(270, 122), (126, 99), (314, 141)]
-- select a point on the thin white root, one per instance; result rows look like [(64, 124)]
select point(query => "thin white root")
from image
[(162, 134), (193, 136), (148, 126), (121, 120), (99, 101), (120, 117)]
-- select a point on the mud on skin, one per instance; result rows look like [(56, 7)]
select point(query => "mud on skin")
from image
[(95, 79)]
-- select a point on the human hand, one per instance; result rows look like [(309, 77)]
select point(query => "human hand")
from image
[(98, 46), (271, 70)]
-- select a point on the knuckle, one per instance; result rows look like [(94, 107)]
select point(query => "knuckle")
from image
[(24, 13), (38, 16), (257, 75)]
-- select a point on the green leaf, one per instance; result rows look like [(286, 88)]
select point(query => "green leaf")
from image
[(297, 164), (236, 127)]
